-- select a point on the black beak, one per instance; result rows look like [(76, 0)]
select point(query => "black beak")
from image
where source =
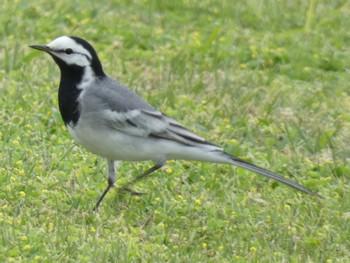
[(41, 47)]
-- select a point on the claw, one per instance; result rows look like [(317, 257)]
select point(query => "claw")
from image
[(132, 192)]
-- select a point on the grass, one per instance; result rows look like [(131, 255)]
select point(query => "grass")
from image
[(268, 80)]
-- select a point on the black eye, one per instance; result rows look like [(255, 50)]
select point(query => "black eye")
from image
[(68, 51)]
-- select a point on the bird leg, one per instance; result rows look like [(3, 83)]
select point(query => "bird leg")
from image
[(111, 180), (158, 165)]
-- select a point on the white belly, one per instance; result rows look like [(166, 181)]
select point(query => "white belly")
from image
[(115, 145)]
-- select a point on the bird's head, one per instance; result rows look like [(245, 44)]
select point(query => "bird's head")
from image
[(73, 52)]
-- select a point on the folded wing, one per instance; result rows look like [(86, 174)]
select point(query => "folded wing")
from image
[(146, 123)]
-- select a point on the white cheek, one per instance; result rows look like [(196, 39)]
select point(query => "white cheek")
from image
[(73, 59), (76, 59)]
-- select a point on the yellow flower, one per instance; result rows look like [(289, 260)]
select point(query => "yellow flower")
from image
[(253, 48), (26, 247), (169, 170), (22, 193), (233, 141), (326, 179), (196, 38), (180, 197), (20, 172), (159, 31), (135, 17), (156, 212), (15, 142), (252, 249), (19, 163)]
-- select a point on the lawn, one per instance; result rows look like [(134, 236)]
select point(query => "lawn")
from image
[(267, 80)]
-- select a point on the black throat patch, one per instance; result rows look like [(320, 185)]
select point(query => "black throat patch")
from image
[(68, 94)]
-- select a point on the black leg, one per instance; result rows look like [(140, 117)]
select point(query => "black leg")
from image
[(158, 165), (111, 180), (103, 196)]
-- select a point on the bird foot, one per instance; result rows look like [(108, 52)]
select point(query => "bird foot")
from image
[(132, 192)]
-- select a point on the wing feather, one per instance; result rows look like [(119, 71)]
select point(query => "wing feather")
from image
[(146, 123)]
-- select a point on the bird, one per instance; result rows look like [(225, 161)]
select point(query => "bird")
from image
[(111, 121)]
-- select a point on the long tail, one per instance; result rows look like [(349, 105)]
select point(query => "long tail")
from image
[(197, 148), (252, 167)]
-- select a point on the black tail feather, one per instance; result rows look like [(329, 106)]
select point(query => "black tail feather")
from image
[(254, 168)]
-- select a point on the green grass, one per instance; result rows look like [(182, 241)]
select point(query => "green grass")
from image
[(268, 80)]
